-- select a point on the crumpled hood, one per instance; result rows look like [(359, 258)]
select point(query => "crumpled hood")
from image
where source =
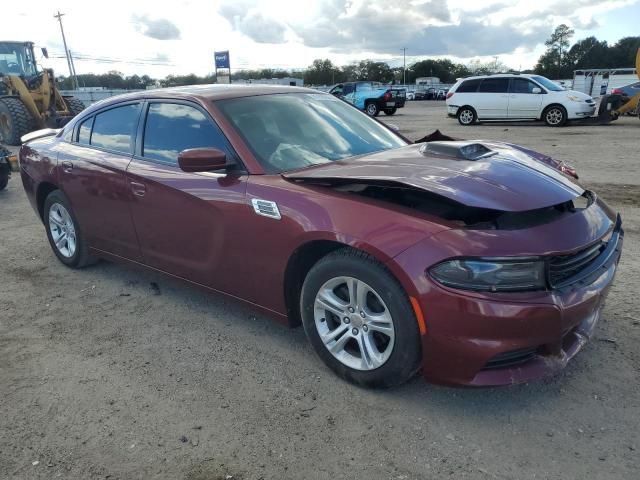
[(509, 180)]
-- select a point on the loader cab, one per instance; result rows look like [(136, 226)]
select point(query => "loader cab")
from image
[(17, 58)]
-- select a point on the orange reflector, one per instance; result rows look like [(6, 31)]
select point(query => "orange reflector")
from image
[(419, 316)]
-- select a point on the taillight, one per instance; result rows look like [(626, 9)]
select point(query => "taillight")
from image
[(450, 94), (387, 96), (617, 91)]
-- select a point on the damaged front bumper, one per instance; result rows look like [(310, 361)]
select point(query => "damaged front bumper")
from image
[(483, 339)]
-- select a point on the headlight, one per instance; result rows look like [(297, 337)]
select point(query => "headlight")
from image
[(491, 275), (575, 98)]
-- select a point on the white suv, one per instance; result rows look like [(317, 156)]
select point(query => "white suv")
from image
[(516, 97)]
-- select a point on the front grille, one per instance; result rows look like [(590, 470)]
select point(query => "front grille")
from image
[(563, 267), (510, 359)]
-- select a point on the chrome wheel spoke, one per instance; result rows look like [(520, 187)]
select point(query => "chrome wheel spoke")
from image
[(327, 300), (333, 334), (337, 346), (61, 241), (369, 354)]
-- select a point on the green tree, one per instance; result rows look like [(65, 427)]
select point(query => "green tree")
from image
[(322, 72), (444, 69), (623, 53), (553, 62), (588, 53)]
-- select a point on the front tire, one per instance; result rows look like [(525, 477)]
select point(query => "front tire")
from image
[(63, 232), (390, 111), (467, 116), (359, 320), (372, 109), (15, 120), (555, 116)]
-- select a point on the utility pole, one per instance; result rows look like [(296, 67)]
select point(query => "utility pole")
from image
[(495, 63), (404, 66), (73, 68), (74, 80)]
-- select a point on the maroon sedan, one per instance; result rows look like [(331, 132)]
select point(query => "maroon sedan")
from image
[(475, 262)]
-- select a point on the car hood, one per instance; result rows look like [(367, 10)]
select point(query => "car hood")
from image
[(507, 179), (578, 94)]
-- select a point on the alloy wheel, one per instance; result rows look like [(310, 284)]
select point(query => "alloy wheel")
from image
[(466, 117), (354, 323), (554, 116), (63, 231)]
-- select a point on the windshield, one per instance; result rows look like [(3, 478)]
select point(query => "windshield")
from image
[(291, 131), (548, 84), (16, 59)]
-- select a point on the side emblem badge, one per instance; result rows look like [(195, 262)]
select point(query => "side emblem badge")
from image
[(266, 208)]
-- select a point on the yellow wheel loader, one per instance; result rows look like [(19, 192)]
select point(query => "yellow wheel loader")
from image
[(29, 99), (612, 106), (634, 102)]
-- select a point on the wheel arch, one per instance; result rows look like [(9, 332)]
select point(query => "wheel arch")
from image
[(44, 189), (553, 104), (307, 254), (466, 106)]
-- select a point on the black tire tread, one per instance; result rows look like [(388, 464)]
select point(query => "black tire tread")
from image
[(20, 119)]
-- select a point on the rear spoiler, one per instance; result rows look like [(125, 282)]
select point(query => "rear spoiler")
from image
[(45, 132)]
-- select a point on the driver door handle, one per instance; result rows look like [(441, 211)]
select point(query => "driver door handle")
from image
[(138, 189)]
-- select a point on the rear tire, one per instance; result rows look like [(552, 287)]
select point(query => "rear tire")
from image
[(555, 116), (74, 105), (15, 120), (466, 116), (372, 109), (390, 111), (374, 337), (64, 232)]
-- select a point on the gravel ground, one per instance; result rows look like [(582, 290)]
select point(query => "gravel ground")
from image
[(114, 373)]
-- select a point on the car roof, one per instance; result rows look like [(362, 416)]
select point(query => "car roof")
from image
[(498, 75), (213, 91)]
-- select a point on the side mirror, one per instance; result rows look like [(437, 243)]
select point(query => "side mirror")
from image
[(45, 52), (202, 160), (536, 90)]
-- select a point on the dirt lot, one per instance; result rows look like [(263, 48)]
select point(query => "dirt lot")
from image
[(113, 373)]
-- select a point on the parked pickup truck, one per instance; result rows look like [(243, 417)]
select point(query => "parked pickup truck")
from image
[(372, 97)]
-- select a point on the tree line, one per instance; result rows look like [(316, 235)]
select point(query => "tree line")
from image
[(557, 62)]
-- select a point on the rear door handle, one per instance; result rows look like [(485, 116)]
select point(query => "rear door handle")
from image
[(138, 188), (67, 166)]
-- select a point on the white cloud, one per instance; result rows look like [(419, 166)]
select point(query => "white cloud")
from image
[(132, 36)]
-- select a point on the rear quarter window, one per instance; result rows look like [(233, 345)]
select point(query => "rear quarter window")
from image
[(114, 129)]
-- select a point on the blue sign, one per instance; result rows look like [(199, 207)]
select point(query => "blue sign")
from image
[(222, 59)]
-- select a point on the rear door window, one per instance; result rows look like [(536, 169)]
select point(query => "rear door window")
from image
[(494, 85), (469, 86), (115, 129), (172, 127)]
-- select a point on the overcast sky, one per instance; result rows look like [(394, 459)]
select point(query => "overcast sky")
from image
[(159, 38)]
